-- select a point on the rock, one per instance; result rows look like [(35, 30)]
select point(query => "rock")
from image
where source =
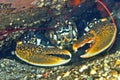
[(92, 72)]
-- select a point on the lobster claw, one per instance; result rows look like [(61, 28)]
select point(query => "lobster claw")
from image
[(101, 35), (39, 56)]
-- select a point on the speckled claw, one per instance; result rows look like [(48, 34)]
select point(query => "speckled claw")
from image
[(101, 35), (39, 56)]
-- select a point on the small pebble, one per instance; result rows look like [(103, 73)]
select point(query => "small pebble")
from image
[(59, 77), (2, 65), (39, 76), (92, 72), (114, 73), (117, 63), (84, 67), (66, 74)]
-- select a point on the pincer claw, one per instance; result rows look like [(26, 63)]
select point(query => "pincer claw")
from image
[(39, 56), (101, 35)]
